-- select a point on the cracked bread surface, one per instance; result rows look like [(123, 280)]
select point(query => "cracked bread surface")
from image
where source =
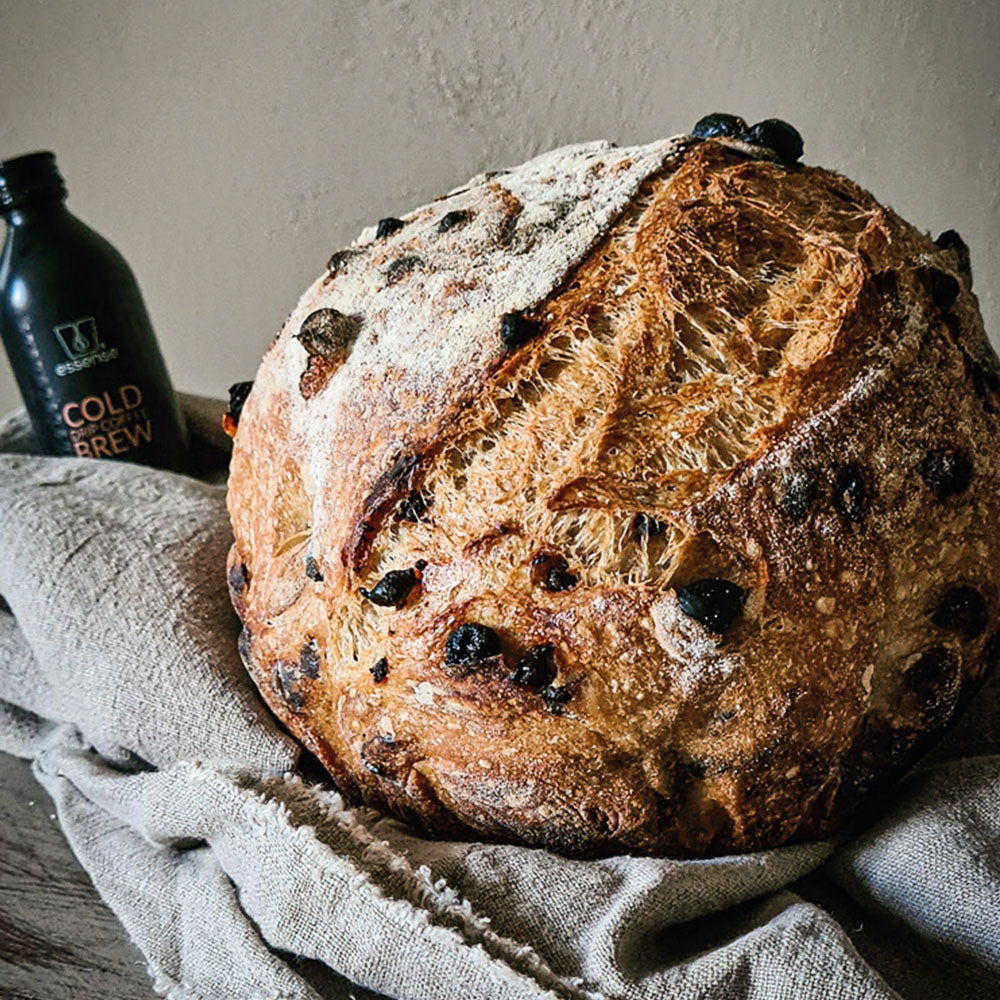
[(496, 452)]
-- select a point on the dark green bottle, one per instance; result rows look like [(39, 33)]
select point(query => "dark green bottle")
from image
[(76, 330)]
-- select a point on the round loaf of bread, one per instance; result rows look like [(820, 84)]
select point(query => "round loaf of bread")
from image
[(632, 500)]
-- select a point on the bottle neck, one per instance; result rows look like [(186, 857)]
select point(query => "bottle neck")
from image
[(34, 210)]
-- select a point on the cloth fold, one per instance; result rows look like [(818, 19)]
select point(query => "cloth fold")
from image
[(240, 872)]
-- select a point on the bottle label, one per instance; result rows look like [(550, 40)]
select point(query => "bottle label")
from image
[(82, 345), (111, 423)]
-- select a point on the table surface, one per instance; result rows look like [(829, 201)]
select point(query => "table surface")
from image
[(57, 939)]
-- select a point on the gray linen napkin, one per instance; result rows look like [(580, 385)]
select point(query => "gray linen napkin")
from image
[(239, 877)]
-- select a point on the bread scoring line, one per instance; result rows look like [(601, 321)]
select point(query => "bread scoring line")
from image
[(466, 351)]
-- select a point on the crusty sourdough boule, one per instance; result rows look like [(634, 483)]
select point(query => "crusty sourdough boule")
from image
[(631, 500)]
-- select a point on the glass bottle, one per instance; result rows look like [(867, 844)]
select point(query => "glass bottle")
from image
[(77, 332)]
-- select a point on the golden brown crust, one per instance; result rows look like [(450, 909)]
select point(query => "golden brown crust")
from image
[(726, 369)]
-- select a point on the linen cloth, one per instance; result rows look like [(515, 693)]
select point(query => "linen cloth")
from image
[(239, 871)]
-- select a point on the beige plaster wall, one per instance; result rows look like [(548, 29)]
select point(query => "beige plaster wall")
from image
[(228, 147)]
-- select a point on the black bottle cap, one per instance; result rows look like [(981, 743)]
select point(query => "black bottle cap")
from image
[(29, 176)]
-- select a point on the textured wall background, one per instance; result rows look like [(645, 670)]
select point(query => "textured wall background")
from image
[(226, 148)]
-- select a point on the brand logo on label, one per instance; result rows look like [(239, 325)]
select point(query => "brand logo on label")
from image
[(82, 345), (79, 338)]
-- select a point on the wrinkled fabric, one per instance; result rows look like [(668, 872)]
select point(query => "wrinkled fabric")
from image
[(241, 873)]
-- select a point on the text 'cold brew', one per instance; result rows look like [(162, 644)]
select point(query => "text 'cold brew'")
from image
[(76, 330)]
